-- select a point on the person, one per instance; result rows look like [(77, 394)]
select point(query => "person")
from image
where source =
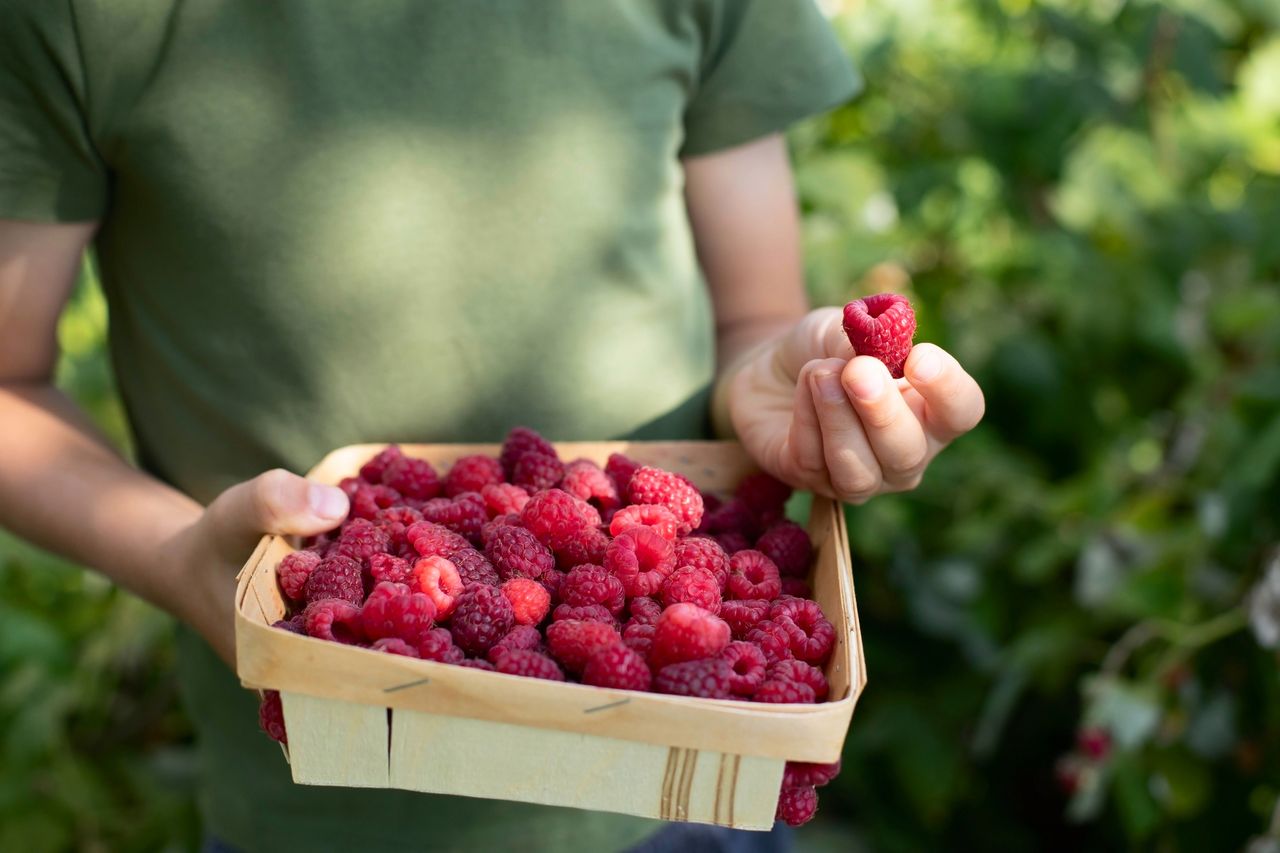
[(321, 223)]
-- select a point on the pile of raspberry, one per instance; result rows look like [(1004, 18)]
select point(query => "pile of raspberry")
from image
[(625, 576)]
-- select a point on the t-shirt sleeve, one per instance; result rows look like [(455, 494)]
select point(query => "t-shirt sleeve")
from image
[(766, 64), (50, 170)]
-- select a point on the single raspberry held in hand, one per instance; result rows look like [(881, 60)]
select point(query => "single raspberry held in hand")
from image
[(395, 646), (522, 440), (529, 664), (801, 673), (517, 553), (437, 645), (657, 518), (588, 584), (619, 667), (815, 636), (666, 488), (797, 806), (782, 692), (413, 478), (753, 575), (271, 716), (586, 481), (644, 610), (704, 553), (574, 641), (438, 579), (800, 773), (336, 577), (584, 612), (482, 615), (433, 540), (620, 468), (708, 679), (687, 632), (788, 545), (694, 585), (747, 667), (525, 637), (474, 567), (371, 471), (538, 471), (335, 620), (742, 616), (530, 601), (393, 611), (503, 499), (293, 572), (881, 326), (641, 559), (472, 474)]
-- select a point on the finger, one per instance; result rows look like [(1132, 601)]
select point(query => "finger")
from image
[(804, 440), (894, 432), (953, 401), (276, 502), (819, 335), (851, 463)]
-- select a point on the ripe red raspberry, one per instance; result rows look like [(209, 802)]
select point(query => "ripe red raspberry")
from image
[(530, 601), (552, 580), (708, 679), (620, 468), (796, 588), (360, 539), (732, 517), (413, 478), (529, 664), (588, 584), (556, 517), (784, 692), (639, 636), (742, 616), (522, 440), (293, 571), (271, 716), (644, 610), (732, 542), (335, 620), (797, 806), (801, 673), (394, 521), (385, 567), (675, 492), (774, 637), (659, 519), (511, 519), (618, 667), (747, 666), (371, 471), (787, 544), (641, 559), (517, 553), (477, 663), (687, 632), (474, 567), (395, 646), (464, 515), (368, 501), (538, 471), (763, 494), (752, 575), (588, 547), (503, 499), (525, 637), (438, 579), (694, 585), (574, 641), (881, 326), (704, 553), (393, 610), (433, 540), (584, 612), (815, 637), (482, 615), (335, 577), (472, 474), (437, 645), (296, 625), (801, 773), (586, 481)]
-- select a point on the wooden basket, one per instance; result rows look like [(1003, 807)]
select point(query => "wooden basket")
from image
[(361, 718)]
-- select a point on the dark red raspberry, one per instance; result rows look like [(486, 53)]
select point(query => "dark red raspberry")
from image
[(368, 501), (694, 585), (676, 493), (517, 553), (796, 588), (641, 559), (742, 616), (659, 519), (704, 553), (503, 499), (413, 478), (574, 641), (476, 663), (687, 632), (385, 567), (708, 679), (464, 515), (474, 567), (271, 716), (522, 440), (748, 667), (584, 612), (529, 664), (471, 474), (556, 517), (361, 539), (296, 625), (732, 517), (393, 611), (774, 637), (710, 503), (586, 481), (644, 610), (511, 519), (588, 584), (816, 637), (801, 773), (784, 692), (335, 577), (588, 547), (618, 667), (1094, 742), (530, 601), (482, 615), (797, 806), (639, 636), (538, 471), (752, 575), (371, 471), (802, 673), (394, 521), (335, 620), (552, 580), (395, 646), (524, 637), (733, 542), (437, 645), (882, 327), (787, 544), (438, 579), (620, 468), (763, 494), (433, 540), (293, 571)]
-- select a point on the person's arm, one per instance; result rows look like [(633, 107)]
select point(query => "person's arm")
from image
[(788, 382), (63, 487)]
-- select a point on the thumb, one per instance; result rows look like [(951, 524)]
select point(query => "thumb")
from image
[(275, 502), (819, 335)]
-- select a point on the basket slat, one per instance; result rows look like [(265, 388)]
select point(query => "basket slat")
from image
[(335, 743)]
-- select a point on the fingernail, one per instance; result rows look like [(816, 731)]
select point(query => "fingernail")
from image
[(327, 501), (868, 385), (829, 387), (926, 366)]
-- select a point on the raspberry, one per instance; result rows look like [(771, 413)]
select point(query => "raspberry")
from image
[(641, 559), (787, 544), (413, 478), (503, 498), (335, 620), (801, 673), (586, 481), (774, 637), (437, 645), (394, 521), (464, 515), (742, 616), (710, 503), (797, 588), (525, 637), (471, 474), (618, 667), (293, 571), (620, 468), (530, 664), (732, 517), (752, 575), (747, 667), (552, 580), (694, 585), (522, 440), (584, 612), (371, 471), (535, 472), (510, 519), (708, 679), (815, 637), (763, 494), (482, 615), (644, 610), (474, 567), (639, 637), (657, 518), (588, 547), (555, 517), (732, 542), (573, 641), (361, 539), (350, 485), (476, 663), (385, 567), (517, 553), (784, 692), (395, 646), (393, 611), (881, 326), (797, 806), (368, 501), (687, 632), (588, 584), (432, 540), (676, 493), (1094, 742), (271, 716), (335, 577), (801, 773), (703, 553), (296, 625), (438, 579), (529, 599)]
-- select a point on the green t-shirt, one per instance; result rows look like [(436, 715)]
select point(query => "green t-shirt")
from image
[(330, 222)]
